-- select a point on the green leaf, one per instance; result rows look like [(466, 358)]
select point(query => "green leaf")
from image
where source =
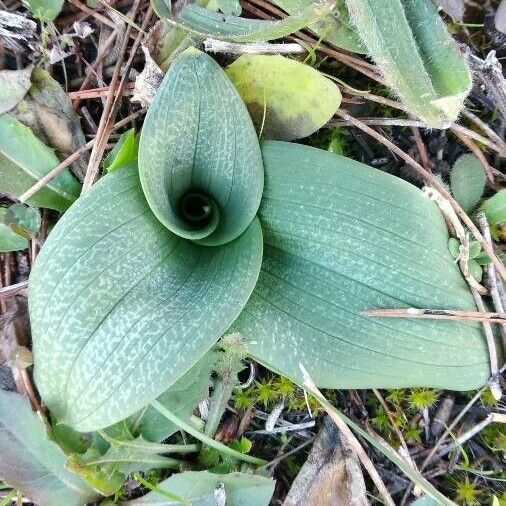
[(199, 488), (468, 181), (474, 249), (206, 23), (24, 159), (286, 99), (121, 308), (23, 220), (9, 240), (335, 27), (181, 398), (475, 269), (229, 7), (124, 152), (13, 87), (328, 257), (454, 247), (409, 42), (32, 463), (45, 10), (207, 148), (495, 208)]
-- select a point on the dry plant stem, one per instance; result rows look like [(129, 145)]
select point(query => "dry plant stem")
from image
[(392, 421), (98, 60), (99, 17), (355, 445), (9, 291), (429, 178), (493, 281), (113, 99), (223, 46), (99, 92), (484, 127), (43, 181), (491, 418), (422, 150), (439, 314)]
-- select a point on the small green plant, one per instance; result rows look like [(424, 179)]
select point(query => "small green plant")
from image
[(467, 493), (422, 398)]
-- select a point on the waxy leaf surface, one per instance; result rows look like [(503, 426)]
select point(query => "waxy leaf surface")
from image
[(198, 138), (121, 307), (341, 238)]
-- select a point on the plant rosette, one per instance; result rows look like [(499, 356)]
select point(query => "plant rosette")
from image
[(209, 231)]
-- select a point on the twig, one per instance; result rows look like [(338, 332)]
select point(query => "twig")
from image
[(426, 176), (222, 46), (438, 314), (484, 127), (353, 442), (9, 291), (43, 181), (422, 150), (111, 103)]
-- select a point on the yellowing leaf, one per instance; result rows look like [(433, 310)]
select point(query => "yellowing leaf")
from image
[(287, 99)]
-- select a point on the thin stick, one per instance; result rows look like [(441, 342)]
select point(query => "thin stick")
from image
[(484, 127), (422, 150), (426, 176), (438, 314), (43, 181), (222, 46), (11, 290)]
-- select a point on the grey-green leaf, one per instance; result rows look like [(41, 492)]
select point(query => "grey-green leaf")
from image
[(32, 463), (13, 86), (410, 43), (468, 181), (24, 159), (199, 489), (121, 308), (206, 23), (198, 140), (342, 238), (181, 398), (9, 240)]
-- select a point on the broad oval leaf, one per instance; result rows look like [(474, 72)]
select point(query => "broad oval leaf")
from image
[(356, 239), (198, 488), (495, 208), (45, 10), (32, 463), (121, 307), (468, 181), (199, 148), (24, 159), (417, 56), (286, 98)]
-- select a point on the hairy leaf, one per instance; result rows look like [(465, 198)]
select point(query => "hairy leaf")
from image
[(24, 159), (343, 240), (32, 463), (199, 488), (206, 23), (495, 208), (286, 99), (335, 27), (121, 308), (205, 158), (468, 181), (419, 60), (9, 240)]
